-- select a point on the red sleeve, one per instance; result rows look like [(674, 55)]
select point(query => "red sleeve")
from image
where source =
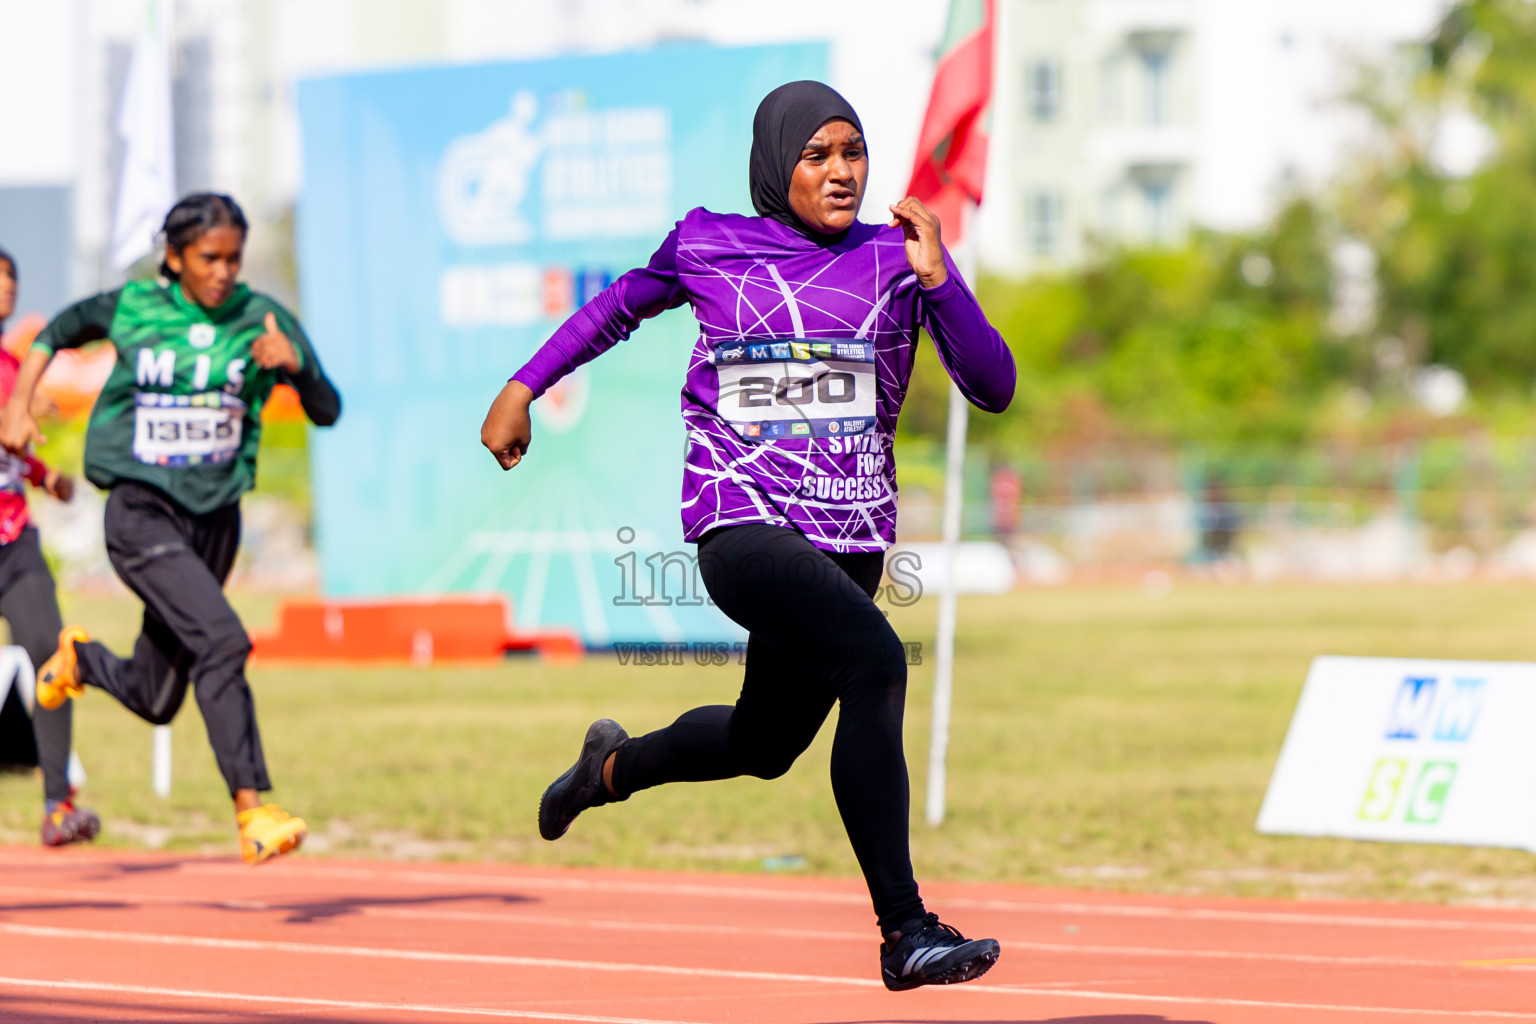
[(37, 470)]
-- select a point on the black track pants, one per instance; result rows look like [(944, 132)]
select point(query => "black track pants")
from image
[(31, 608), (177, 562), (816, 637)]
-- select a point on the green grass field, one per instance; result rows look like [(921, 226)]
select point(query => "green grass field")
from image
[(1103, 738)]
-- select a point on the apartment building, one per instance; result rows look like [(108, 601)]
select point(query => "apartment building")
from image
[(1129, 121)]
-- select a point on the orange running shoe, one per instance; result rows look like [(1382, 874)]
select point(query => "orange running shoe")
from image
[(58, 679), (269, 831)]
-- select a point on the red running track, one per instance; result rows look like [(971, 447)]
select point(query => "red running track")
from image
[(110, 935)]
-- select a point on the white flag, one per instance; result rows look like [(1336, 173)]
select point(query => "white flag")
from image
[(147, 188)]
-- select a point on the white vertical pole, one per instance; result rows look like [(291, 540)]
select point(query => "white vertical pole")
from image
[(160, 774), (954, 474), (165, 12)]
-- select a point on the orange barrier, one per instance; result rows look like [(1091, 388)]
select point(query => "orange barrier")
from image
[(420, 631)]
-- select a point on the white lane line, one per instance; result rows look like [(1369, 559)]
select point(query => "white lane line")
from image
[(329, 1004), (748, 892), (430, 956), (567, 921), (514, 883), (516, 918), (1263, 1003), (1089, 994), (113, 896), (311, 949)]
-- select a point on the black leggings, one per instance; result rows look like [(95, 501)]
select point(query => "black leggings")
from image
[(816, 636), (31, 608), (177, 562)]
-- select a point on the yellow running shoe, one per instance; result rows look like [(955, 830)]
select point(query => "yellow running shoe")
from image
[(269, 831), (58, 679)]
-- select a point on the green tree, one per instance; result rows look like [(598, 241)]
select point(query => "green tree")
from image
[(1457, 280)]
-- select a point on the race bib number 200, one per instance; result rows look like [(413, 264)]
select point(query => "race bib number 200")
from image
[(796, 387), (186, 430)]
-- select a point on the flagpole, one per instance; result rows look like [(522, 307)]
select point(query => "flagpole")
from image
[(954, 497), (131, 240)]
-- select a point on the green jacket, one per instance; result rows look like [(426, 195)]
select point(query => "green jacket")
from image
[(181, 410)]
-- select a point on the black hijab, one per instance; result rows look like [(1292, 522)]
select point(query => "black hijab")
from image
[(784, 123)]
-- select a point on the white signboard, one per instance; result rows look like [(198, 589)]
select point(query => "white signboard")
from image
[(1410, 751)]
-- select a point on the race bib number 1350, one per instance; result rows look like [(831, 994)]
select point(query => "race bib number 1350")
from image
[(186, 430)]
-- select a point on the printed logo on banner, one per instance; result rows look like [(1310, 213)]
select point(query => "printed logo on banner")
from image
[(564, 404), (589, 282), (1426, 714), (596, 172), (556, 169)]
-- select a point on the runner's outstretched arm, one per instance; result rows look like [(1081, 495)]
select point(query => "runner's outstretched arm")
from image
[(609, 318), (85, 321), (973, 353)]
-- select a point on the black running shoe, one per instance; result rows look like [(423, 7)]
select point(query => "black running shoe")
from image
[(930, 953), (582, 786)]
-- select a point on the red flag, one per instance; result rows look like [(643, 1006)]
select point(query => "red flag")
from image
[(952, 146)]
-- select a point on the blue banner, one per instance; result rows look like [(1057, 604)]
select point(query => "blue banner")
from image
[(450, 219)]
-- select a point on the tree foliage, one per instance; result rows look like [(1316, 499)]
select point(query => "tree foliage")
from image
[(1223, 337), (1455, 269), (1238, 338)]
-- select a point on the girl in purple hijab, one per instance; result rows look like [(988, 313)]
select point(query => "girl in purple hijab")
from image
[(808, 325)]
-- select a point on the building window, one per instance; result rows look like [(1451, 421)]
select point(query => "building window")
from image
[(1157, 87), (1157, 201), (1042, 222), (1042, 90), (1109, 212), (1109, 89)]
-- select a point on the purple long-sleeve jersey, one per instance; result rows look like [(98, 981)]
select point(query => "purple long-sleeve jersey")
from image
[(799, 372)]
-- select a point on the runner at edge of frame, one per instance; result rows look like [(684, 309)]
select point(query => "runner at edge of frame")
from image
[(173, 440), (29, 602)]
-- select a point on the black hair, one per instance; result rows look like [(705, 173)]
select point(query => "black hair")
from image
[(192, 217)]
